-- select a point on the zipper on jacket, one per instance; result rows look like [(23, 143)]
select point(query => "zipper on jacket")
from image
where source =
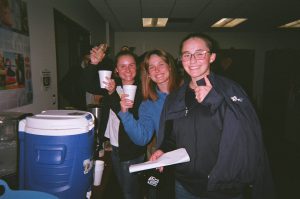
[(186, 111)]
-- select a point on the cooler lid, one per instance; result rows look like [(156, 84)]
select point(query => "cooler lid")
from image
[(62, 122)]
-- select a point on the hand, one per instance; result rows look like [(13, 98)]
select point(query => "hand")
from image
[(97, 55), (202, 91), (125, 103), (110, 85), (155, 156)]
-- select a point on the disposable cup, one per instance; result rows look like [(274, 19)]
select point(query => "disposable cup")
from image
[(130, 91), (102, 77), (98, 172)]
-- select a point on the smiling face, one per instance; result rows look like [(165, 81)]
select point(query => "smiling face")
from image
[(196, 67), (126, 69), (158, 70)]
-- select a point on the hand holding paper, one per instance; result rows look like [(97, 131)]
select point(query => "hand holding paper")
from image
[(173, 157)]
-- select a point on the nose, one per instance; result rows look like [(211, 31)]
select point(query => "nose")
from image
[(127, 69), (156, 69), (193, 59)]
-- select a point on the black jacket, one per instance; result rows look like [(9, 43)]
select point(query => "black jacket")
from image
[(242, 159), (127, 149), (73, 89), (90, 75)]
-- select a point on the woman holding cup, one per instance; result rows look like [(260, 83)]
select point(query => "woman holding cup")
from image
[(159, 78), (124, 151)]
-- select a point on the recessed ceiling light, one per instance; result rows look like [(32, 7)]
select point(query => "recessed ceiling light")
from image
[(293, 24), (228, 22), (155, 22)]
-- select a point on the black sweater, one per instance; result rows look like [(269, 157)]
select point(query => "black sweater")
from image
[(91, 81), (127, 149)]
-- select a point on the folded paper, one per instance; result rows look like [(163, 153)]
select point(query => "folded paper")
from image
[(173, 157)]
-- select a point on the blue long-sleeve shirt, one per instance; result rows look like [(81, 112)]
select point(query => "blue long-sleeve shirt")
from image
[(141, 131)]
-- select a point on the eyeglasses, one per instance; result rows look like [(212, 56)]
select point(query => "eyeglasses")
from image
[(199, 55)]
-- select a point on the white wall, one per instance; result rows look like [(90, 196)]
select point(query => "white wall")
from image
[(260, 42), (42, 43)]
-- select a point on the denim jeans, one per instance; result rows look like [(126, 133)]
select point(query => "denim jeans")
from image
[(181, 192), (129, 182)]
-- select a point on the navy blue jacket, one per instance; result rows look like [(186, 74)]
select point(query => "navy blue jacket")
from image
[(242, 160)]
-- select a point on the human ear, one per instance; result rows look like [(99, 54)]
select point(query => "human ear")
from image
[(212, 57)]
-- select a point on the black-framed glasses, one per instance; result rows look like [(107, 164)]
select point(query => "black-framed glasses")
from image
[(199, 55)]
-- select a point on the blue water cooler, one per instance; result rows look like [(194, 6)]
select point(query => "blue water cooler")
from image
[(56, 153)]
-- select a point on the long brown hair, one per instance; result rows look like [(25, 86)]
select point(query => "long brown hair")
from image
[(148, 86)]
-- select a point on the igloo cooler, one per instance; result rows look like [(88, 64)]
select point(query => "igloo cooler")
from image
[(56, 153)]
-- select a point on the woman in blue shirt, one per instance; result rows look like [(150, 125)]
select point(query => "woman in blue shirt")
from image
[(159, 77)]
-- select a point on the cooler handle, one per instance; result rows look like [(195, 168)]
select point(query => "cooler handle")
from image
[(51, 154)]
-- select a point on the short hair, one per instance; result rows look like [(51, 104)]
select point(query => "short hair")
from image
[(148, 86), (210, 42)]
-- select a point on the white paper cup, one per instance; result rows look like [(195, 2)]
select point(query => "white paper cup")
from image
[(130, 91), (102, 77), (98, 172)]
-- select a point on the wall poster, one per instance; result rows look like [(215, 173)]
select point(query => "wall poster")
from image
[(15, 69)]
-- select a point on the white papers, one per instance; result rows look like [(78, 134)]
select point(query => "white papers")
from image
[(170, 158)]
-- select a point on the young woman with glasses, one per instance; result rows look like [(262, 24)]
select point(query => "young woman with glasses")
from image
[(213, 119)]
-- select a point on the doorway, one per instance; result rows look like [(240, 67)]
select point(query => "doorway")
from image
[(71, 41), (281, 113)]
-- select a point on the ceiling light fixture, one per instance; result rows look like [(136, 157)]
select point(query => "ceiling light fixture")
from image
[(154, 22), (228, 22), (293, 24)]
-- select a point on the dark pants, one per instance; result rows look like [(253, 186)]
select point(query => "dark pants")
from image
[(166, 187), (129, 182), (181, 192)]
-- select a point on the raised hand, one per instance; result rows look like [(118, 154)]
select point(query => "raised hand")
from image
[(202, 91), (98, 53)]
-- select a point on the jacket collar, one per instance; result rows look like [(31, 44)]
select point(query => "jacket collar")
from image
[(178, 98), (180, 95)]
